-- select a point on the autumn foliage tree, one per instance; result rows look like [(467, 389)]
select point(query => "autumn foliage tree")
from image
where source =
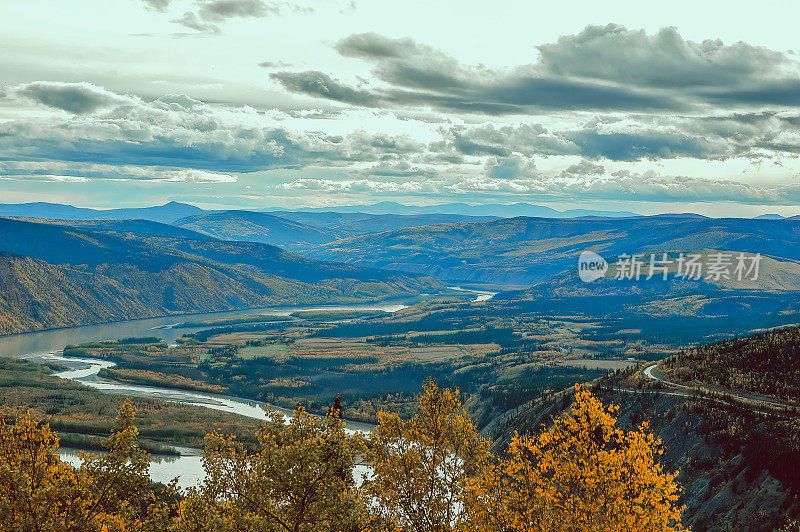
[(583, 473), (421, 467), (430, 473), (300, 478), (39, 492)]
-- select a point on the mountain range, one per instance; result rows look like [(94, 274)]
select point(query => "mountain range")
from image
[(166, 213), (301, 231), (524, 251), (465, 209)]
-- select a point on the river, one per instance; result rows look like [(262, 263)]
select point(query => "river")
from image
[(46, 346)]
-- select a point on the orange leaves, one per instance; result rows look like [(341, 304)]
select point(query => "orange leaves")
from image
[(583, 473), (421, 468), (432, 472), (40, 492), (299, 478)]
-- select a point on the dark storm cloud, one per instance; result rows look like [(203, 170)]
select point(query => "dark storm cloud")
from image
[(603, 68)]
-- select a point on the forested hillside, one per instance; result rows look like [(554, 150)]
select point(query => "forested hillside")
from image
[(524, 251), (59, 275), (766, 364), (257, 227), (738, 466)]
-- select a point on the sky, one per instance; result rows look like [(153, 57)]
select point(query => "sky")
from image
[(635, 106)]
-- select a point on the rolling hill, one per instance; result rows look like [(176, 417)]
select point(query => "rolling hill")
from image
[(525, 251), (345, 224), (257, 227), (56, 274), (738, 458)]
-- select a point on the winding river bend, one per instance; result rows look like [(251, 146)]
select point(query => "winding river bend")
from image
[(47, 346)]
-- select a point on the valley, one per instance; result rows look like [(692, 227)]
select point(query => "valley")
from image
[(298, 330)]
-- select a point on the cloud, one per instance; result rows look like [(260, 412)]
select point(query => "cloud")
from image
[(646, 186), (428, 78), (179, 139), (602, 68), (357, 185), (532, 185), (182, 132), (585, 168), (212, 12), (420, 75), (157, 5), (274, 64), (615, 53), (765, 134), (61, 171), (77, 98), (222, 10), (396, 168), (487, 139), (315, 83), (373, 45), (513, 167), (192, 21), (652, 186)]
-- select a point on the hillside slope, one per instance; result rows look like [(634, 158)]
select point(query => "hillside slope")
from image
[(257, 227), (61, 275), (346, 224), (728, 480), (524, 251)]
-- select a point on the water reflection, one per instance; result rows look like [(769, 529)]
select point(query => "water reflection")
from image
[(187, 468)]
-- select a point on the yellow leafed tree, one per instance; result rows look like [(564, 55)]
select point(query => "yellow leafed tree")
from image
[(299, 479), (39, 492), (421, 467), (582, 474)]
